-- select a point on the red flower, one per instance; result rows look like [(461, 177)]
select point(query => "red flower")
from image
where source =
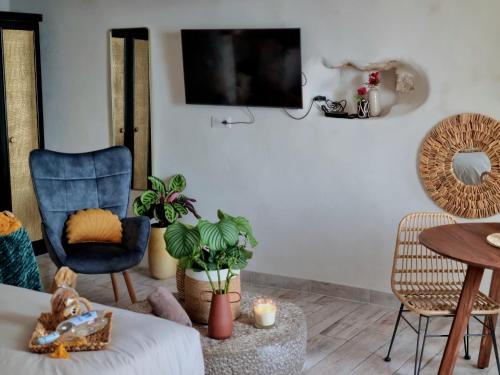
[(362, 90), (374, 78)]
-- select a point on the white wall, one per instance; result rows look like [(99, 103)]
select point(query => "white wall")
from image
[(324, 195), (4, 5)]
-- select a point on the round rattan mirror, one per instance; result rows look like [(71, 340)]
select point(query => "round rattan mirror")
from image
[(460, 165)]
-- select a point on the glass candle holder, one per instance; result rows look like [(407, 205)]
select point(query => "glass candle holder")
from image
[(264, 312)]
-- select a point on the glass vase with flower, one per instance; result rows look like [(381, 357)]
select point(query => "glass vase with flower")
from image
[(374, 94), (363, 106)]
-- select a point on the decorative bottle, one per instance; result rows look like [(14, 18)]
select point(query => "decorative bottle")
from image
[(78, 326), (373, 98), (363, 108)]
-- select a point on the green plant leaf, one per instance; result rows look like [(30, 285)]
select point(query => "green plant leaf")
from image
[(158, 185), (221, 215), (177, 183), (185, 263), (138, 207), (170, 213), (180, 209), (220, 235), (251, 239), (243, 225), (148, 198), (181, 240)]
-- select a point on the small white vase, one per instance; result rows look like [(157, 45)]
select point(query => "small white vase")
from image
[(373, 98)]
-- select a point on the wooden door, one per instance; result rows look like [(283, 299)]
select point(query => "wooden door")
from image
[(118, 90), (130, 102), (21, 112), (141, 113)]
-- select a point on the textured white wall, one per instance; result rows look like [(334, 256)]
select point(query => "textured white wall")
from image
[(324, 195)]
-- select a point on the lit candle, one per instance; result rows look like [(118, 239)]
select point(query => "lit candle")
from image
[(264, 311)]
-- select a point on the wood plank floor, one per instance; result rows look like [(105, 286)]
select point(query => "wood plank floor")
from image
[(344, 337)]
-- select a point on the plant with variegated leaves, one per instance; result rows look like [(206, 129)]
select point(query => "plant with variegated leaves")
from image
[(212, 246), (165, 203)]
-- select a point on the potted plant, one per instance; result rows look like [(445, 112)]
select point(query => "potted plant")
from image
[(219, 251), (164, 205)]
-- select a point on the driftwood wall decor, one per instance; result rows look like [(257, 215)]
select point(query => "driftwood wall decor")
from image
[(463, 132)]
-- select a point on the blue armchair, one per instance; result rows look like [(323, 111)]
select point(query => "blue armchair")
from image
[(65, 183)]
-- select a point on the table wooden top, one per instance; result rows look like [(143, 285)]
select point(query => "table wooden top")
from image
[(465, 243)]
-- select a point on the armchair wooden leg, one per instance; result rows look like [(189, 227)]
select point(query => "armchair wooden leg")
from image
[(114, 281), (130, 286)]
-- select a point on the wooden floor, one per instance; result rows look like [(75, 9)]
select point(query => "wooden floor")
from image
[(344, 337)]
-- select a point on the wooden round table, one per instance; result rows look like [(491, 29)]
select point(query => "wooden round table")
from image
[(466, 243)]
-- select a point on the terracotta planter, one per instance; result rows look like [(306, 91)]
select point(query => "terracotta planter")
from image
[(196, 283), (220, 320), (161, 264)]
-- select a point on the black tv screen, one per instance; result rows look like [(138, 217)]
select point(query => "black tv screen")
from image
[(245, 67)]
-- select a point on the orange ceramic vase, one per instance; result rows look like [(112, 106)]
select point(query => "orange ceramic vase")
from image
[(220, 318)]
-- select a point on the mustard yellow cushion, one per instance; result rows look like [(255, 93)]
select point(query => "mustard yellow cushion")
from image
[(94, 225), (8, 223)]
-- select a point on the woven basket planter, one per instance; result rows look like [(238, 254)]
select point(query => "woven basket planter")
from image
[(196, 306), (180, 276)]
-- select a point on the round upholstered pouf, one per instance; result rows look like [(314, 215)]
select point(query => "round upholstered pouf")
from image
[(279, 350)]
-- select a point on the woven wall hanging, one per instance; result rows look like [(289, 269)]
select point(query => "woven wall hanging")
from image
[(459, 133)]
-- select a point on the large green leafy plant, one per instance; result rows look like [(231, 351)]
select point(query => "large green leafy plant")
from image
[(212, 246), (165, 203)]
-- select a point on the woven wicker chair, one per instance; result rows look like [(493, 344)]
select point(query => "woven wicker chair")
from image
[(429, 284)]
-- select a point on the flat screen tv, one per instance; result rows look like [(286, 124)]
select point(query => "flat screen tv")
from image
[(244, 67)]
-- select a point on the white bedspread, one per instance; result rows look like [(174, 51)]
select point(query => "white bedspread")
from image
[(140, 344)]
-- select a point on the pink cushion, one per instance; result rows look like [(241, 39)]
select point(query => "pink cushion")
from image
[(166, 306)]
